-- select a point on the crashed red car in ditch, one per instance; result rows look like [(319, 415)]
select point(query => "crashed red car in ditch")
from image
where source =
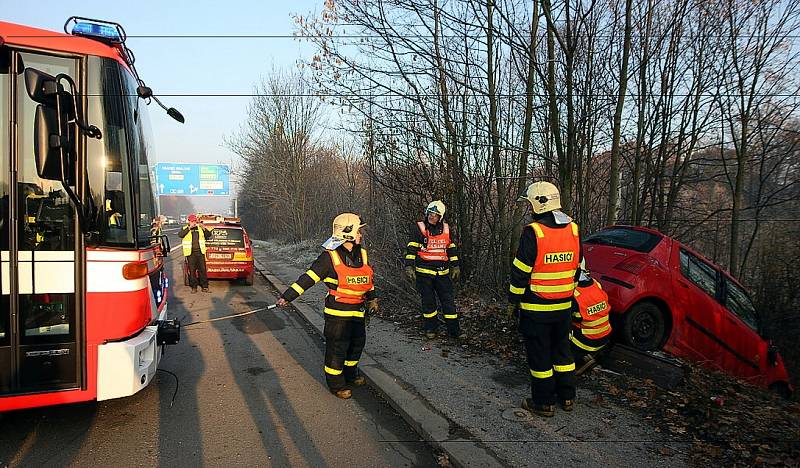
[(665, 295)]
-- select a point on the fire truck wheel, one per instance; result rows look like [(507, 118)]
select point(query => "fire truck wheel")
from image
[(250, 279)]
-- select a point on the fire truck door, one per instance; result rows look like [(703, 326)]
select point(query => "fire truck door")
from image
[(40, 267)]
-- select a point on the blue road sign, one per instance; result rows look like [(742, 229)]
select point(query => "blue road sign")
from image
[(193, 179)]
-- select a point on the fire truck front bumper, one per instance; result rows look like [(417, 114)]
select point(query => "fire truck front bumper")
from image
[(125, 367)]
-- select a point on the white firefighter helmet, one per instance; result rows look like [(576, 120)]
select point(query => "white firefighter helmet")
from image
[(436, 206), (543, 197), (345, 228), (585, 276)]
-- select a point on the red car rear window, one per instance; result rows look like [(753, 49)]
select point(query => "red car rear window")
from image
[(640, 241), (226, 237)]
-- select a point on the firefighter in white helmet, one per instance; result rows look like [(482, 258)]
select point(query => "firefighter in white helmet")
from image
[(432, 264), (544, 275), (344, 268)]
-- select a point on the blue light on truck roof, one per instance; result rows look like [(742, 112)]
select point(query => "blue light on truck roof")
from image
[(97, 31)]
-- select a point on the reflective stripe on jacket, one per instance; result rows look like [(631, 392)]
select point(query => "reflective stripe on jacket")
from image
[(186, 242), (353, 282), (593, 309), (435, 246), (557, 252)]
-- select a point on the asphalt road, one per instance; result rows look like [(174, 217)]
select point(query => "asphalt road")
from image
[(250, 392)]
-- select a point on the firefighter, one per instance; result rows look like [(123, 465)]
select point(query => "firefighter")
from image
[(193, 240), (543, 278), (431, 262), (344, 268), (590, 322)]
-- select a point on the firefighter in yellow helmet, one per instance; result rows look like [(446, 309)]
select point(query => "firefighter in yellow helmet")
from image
[(544, 275), (344, 268), (432, 264)]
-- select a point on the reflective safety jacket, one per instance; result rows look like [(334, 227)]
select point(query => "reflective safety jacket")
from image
[(545, 270), (431, 249), (186, 239), (349, 277), (591, 317), (353, 282), (553, 273)]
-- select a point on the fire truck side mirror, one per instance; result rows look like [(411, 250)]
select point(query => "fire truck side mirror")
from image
[(49, 145), (52, 142)]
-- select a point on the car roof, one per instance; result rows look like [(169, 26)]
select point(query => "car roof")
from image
[(636, 228), (681, 245), (225, 226)]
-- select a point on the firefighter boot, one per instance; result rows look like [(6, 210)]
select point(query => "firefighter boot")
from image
[(568, 405), (344, 393), (548, 411), (359, 381)]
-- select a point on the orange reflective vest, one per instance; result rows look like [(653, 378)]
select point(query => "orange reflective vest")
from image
[(435, 247), (557, 251), (594, 309), (354, 282)]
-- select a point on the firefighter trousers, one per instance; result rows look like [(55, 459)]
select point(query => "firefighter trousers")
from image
[(197, 269), (549, 358), (344, 341), (429, 288)]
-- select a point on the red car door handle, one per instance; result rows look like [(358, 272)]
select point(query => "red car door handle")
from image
[(683, 284)]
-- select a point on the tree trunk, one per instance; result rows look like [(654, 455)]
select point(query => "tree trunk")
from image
[(613, 190), (524, 155), (501, 229)]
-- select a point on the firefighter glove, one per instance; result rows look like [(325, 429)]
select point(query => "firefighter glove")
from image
[(372, 306), (455, 273), (512, 311), (411, 275)]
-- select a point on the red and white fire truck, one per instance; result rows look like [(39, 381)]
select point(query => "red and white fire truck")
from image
[(83, 304)]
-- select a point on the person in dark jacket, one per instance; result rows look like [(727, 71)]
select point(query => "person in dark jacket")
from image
[(591, 328), (432, 264), (344, 267), (543, 278)]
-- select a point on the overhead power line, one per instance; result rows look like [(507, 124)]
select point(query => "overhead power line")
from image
[(408, 96)]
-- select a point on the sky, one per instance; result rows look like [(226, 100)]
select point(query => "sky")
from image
[(205, 66)]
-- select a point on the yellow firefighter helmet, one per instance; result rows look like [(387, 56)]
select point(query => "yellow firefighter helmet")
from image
[(543, 197), (345, 229), (346, 225)]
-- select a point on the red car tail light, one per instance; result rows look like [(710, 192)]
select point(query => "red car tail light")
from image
[(248, 246), (633, 265)]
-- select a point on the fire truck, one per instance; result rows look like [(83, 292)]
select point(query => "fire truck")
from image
[(83, 309)]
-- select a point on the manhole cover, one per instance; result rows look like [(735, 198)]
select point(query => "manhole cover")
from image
[(517, 414)]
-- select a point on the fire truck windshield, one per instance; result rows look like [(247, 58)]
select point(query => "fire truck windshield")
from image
[(120, 159)]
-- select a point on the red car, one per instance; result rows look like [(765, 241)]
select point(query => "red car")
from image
[(229, 252), (664, 295)]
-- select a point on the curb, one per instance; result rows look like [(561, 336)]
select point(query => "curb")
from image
[(432, 426)]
